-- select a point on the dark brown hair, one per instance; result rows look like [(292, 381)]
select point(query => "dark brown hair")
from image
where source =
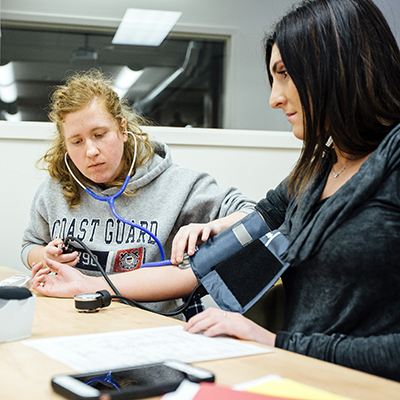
[(345, 64)]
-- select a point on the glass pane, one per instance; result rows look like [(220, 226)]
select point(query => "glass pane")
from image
[(181, 81)]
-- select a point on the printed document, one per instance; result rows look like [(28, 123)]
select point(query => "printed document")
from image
[(101, 351)]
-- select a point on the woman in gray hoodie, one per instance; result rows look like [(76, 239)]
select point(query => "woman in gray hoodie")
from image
[(98, 142)]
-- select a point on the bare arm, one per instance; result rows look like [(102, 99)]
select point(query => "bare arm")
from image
[(36, 255), (146, 284)]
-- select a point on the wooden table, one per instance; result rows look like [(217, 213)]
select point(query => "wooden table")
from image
[(26, 373)]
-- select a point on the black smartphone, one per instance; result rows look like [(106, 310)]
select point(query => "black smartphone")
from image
[(129, 383)]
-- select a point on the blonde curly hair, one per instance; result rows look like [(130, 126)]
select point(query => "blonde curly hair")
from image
[(79, 91)]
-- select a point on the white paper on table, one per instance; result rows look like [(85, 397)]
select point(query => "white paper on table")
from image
[(101, 351)]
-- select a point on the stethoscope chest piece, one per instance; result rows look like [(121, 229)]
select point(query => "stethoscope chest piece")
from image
[(92, 302)]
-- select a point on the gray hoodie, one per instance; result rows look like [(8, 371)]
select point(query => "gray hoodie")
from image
[(169, 197)]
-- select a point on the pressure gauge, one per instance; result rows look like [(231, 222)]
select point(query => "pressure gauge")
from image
[(88, 302), (92, 302)]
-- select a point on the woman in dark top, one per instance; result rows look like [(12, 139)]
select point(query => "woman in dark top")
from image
[(334, 69)]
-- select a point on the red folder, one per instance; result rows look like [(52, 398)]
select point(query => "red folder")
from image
[(211, 391)]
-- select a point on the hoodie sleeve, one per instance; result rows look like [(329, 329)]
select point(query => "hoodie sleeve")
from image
[(206, 201), (378, 355), (37, 232)]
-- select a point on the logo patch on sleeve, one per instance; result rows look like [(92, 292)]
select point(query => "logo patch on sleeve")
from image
[(128, 260)]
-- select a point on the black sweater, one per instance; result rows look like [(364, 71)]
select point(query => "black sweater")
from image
[(343, 288)]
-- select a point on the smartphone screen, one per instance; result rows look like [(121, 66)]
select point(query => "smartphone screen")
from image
[(129, 383), (133, 378)]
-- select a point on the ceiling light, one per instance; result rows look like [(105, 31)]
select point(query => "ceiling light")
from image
[(145, 27), (125, 80)]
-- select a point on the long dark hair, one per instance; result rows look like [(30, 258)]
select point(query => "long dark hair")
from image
[(345, 64)]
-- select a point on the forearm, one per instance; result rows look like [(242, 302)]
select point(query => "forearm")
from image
[(226, 222), (146, 284), (36, 255), (379, 355), (216, 322)]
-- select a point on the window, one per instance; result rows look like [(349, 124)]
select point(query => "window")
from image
[(181, 82)]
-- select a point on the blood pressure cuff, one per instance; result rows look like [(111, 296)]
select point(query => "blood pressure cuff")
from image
[(238, 266)]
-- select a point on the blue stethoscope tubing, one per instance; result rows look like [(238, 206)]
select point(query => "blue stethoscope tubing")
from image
[(111, 199)]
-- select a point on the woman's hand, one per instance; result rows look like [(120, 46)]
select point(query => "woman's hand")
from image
[(216, 322), (54, 251), (67, 282), (192, 235)]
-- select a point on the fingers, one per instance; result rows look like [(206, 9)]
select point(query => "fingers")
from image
[(68, 258), (187, 239), (216, 322), (36, 268), (206, 233), (66, 282), (53, 264), (38, 272), (54, 251), (38, 276), (220, 329), (194, 325), (179, 245), (207, 321), (193, 240)]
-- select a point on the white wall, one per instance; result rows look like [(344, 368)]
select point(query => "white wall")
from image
[(254, 161)]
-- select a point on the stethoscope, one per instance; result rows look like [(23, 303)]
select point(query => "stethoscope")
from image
[(92, 302), (111, 200)]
